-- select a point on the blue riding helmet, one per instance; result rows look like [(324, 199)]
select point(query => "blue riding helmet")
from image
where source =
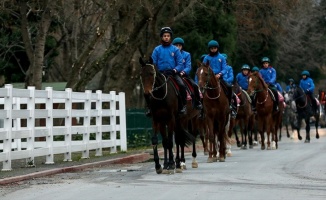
[(213, 43), (291, 80), (265, 59), (255, 69), (305, 72), (178, 40), (166, 30), (224, 55), (245, 66)]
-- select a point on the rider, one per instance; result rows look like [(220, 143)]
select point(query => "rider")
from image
[(179, 42), (268, 73), (218, 64), (254, 69), (307, 84), (242, 77), (229, 78), (169, 61), (253, 104), (291, 85)]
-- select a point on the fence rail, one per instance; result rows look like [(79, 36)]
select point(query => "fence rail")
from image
[(29, 115)]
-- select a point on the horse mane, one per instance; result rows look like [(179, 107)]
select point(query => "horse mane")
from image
[(257, 74)]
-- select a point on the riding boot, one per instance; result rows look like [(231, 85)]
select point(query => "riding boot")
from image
[(314, 106), (276, 100), (183, 95), (233, 106), (148, 112)]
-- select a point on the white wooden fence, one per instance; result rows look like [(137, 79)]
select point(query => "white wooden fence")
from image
[(103, 114)]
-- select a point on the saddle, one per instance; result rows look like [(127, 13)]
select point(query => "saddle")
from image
[(177, 88)]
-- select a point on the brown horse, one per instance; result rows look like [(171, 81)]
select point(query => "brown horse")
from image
[(217, 112), (245, 117), (162, 98), (268, 119)]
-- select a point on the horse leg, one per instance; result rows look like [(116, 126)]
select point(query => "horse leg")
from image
[(236, 137), (222, 146), (194, 163), (158, 166), (171, 164), (298, 128), (316, 126), (261, 130), (177, 158), (307, 130)]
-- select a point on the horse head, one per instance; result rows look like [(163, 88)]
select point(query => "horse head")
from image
[(256, 84), (205, 76), (148, 74)]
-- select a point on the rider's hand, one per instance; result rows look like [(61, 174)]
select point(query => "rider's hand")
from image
[(182, 73), (218, 75), (175, 71)]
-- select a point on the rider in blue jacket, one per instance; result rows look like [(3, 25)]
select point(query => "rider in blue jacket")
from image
[(229, 78), (308, 86), (218, 64), (179, 42), (268, 73), (242, 77), (291, 85), (169, 61)]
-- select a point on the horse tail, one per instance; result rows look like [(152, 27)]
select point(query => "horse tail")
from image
[(183, 137)]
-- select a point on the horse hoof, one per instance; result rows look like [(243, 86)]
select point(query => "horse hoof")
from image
[(307, 141), (255, 143), (222, 159), (273, 148), (269, 148), (171, 171), (183, 166), (178, 170), (300, 138), (159, 171), (215, 159), (165, 171), (205, 153), (239, 145), (262, 148), (194, 165), (229, 154), (243, 147), (209, 160), (251, 146)]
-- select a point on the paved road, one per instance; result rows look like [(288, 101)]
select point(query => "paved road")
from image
[(294, 171)]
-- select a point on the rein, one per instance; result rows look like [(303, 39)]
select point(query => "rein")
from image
[(257, 91), (306, 101), (211, 88), (158, 87)]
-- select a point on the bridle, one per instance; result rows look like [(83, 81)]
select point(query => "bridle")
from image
[(260, 90), (158, 87), (306, 100), (206, 87)]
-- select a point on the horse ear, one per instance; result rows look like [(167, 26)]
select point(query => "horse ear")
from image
[(207, 63), (141, 61), (150, 60)]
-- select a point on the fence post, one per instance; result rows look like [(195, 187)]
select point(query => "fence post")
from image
[(31, 125), (113, 133), (87, 123), (99, 123), (8, 101), (68, 107), (49, 125), (123, 124), (17, 124)]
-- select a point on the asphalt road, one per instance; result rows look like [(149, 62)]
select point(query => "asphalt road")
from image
[(295, 171)]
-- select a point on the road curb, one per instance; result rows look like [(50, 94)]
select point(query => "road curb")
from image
[(136, 158)]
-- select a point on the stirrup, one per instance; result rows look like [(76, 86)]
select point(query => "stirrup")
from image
[(199, 106), (183, 111)]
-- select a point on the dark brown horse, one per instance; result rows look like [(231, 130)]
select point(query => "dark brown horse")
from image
[(268, 120), (245, 117), (162, 98), (304, 111), (217, 112)]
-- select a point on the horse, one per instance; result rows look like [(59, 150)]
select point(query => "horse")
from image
[(163, 103), (304, 111), (244, 118), (290, 116), (217, 112), (268, 120)]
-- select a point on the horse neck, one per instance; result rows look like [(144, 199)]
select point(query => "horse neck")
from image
[(300, 97)]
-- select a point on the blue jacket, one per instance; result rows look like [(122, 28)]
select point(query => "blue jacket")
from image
[(217, 63), (288, 87), (228, 77), (242, 80), (167, 58), (268, 74), (307, 85), (186, 62), (279, 87)]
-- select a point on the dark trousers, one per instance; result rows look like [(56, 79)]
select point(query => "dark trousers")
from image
[(275, 93), (313, 100), (196, 89), (182, 88)]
